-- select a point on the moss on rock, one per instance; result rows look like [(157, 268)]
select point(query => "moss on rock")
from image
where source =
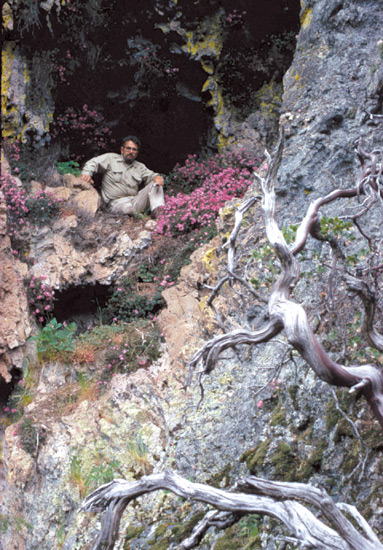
[(255, 457)]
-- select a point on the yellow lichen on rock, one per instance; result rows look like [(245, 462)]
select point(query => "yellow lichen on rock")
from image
[(7, 16), (15, 79), (269, 98), (306, 17), (205, 45), (210, 321), (206, 40), (208, 259), (8, 112)]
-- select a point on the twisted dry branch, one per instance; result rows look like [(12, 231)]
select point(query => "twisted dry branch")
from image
[(291, 317), (251, 495)]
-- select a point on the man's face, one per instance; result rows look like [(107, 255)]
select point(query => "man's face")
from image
[(129, 152)]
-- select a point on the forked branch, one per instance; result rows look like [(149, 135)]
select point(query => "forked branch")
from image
[(279, 500), (291, 317)]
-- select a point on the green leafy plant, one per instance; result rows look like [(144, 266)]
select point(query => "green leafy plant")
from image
[(335, 227), (68, 167), (147, 273), (55, 341), (249, 526), (289, 233), (264, 258)]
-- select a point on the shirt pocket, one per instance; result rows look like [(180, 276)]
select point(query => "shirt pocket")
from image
[(117, 175)]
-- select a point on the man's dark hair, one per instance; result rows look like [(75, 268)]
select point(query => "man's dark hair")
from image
[(131, 138)]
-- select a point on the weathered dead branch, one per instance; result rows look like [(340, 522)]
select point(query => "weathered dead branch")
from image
[(360, 287), (279, 500), (291, 317), (329, 527), (237, 225)]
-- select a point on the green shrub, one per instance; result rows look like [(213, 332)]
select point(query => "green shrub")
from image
[(68, 167), (126, 304), (55, 341)]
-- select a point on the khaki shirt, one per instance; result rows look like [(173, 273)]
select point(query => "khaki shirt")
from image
[(120, 179)]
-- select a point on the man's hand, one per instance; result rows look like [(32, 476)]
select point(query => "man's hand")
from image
[(159, 180), (87, 178)]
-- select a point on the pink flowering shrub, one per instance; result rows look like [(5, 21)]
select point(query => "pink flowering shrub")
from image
[(79, 128), (195, 170), (29, 160), (42, 207), (218, 180), (23, 210), (137, 348), (40, 298), (15, 200), (12, 150), (235, 17)]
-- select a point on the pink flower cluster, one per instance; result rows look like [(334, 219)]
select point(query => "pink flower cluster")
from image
[(195, 170), (40, 298), (220, 183), (21, 209), (13, 152), (235, 17), (87, 126), (16, 202), (61, 70), (43, 206), (165, 282)]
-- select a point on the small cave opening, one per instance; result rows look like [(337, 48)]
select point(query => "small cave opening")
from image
[(7, 388), (81, 304)]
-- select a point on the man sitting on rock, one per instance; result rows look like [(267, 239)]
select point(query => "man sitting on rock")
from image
[(122, 179)]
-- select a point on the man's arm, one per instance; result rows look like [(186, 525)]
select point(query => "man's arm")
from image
[(148, 176), (96, 165)]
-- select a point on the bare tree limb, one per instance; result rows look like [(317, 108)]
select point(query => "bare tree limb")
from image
[(276, 499), (289, 316), (374, 338), (208, 355), (233, 236)]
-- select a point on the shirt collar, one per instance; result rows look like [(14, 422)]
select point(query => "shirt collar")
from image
[(124, 163)]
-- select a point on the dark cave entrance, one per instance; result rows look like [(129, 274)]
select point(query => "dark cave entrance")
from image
[(119, 61), (81, 304), (7, 388), (170, 113)]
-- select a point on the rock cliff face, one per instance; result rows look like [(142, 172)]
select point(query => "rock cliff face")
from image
[(333, 95), (15, 326), (284, 428)]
